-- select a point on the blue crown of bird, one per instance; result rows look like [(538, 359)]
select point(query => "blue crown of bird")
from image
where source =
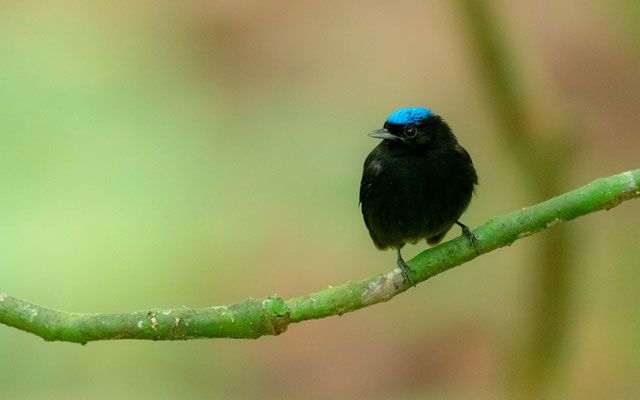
[(409, 115)]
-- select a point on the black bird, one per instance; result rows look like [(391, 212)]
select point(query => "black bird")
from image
[(416, 183)]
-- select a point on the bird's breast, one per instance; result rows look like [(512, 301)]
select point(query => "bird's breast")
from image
[(414, 196)]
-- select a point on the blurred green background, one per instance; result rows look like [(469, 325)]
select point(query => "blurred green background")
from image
[(160, 154)]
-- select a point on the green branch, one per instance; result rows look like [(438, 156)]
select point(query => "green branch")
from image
[(272, 315)]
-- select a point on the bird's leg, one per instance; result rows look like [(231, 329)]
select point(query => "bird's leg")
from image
[(469, 234), (405, 268)]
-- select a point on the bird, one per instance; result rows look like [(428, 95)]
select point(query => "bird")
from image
[(416, 183)]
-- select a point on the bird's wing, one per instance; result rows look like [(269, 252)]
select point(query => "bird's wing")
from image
[(371, 173), (464, 154), (467, 158)]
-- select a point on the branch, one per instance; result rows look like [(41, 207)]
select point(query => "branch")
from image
[(272, 315)]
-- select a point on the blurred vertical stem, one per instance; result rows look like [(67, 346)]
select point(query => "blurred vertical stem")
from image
[(543, 154)]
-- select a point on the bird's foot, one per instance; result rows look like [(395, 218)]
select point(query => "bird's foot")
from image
[(473, 240), (406, 270)]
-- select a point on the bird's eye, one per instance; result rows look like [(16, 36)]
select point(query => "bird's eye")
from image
[(410, 131)]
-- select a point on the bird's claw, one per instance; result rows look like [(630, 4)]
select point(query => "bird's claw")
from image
[(473, 240), (406, 269)]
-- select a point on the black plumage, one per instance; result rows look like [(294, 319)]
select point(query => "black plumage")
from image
[(416, 183)]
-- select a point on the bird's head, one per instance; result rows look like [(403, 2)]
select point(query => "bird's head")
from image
[(413, 126)]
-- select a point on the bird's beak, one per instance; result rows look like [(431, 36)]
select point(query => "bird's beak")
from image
[(384, 134)]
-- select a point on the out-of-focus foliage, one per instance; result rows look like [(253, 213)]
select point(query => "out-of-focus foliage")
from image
[(155, 154)]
